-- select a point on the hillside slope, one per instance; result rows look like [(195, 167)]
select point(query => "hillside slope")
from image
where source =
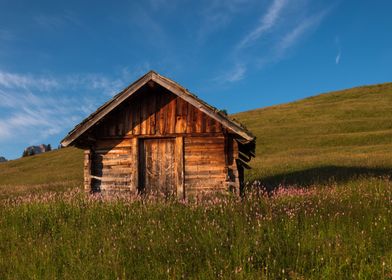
[(333, 136), (330, 137), (55, 170)]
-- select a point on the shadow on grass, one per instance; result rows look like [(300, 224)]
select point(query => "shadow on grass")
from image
[(323, 176)]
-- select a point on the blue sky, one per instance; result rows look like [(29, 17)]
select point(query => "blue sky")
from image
[(60, 60)]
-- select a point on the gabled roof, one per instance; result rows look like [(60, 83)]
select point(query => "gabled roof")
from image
[(170, 85)]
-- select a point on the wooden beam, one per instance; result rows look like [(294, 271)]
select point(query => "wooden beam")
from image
[(135, 158), (87, 169), (166, 135), (179, 167)]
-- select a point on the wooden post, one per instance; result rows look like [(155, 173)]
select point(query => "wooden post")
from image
[(179, 167), (87, 170), (235, 152), (135, 160)]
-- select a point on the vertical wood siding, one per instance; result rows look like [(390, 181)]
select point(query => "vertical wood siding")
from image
[(157, 166), (156, 112)]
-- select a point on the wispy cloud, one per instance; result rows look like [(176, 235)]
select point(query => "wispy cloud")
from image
[(337, 58), (235, 74), (267, 22), (5, 130), (34, 107), (90, 81), (298, 32), (12, 80), (339, 54), (282, 26), (33, 117), (130, 74), (219, 14)]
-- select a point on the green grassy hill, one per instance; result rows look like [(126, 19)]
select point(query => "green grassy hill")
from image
[(57, 170), (329, 137)]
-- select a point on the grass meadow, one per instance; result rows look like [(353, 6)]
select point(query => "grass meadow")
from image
[(327, 159), (334, 232)]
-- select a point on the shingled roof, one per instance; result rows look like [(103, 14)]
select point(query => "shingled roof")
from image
[(170, 85)]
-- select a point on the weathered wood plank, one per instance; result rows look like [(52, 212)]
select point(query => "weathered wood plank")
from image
[(180, 119), (152, 107), (111, 144), (189, 120), (196, 161), (87, 170), (172, 115), (143, 115), (204, 140), (135, 164), (136, 119), (115, 151), (179, 161), (204, 168)]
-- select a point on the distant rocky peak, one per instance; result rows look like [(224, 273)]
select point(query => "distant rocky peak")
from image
[(34, 150)]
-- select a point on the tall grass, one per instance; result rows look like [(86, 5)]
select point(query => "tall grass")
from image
[(334, 232)]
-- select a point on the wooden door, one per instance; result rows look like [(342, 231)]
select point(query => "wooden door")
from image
[(157, 166)]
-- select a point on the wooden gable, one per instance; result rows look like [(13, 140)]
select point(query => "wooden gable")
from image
[(155, 111), (152, 78)]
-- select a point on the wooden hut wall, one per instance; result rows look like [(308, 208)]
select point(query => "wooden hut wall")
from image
[(156, 111), (113, 165), (208, 150), (205, 166)]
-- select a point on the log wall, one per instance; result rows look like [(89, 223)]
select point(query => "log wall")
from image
[(112, 165), (205, 167)]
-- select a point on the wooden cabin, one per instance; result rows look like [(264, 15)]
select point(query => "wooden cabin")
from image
[(155, 136)]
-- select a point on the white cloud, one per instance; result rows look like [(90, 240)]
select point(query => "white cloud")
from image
[(234, 74), (34, 107), (339, 54), (337, 59), (237, 73), (219, 14), (97, 82), (287, 32), (34, 117), (5, 130), (130, 74), (267, 22), (298, 31), (12, 80)]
